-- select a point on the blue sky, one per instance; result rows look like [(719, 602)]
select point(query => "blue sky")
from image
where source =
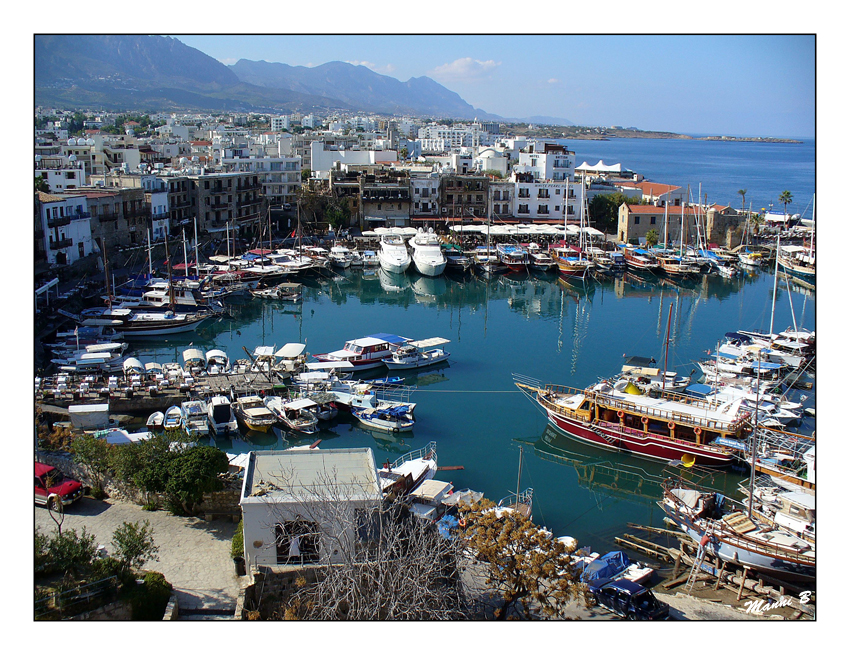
[(742, 85)]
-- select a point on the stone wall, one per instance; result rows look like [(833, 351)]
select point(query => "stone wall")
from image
[(274, 583), (117, 611)]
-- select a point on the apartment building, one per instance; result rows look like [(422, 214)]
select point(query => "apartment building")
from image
[(279, 177), (464, 197), (63, 228)]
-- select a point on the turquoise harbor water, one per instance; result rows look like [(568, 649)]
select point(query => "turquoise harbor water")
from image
[(564, 333)]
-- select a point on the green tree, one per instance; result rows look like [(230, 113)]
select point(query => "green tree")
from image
[(337, 215), (69, 553), (785, 198), (305, 174), (41, 184), (403, 152), (652, 237), (134, 544), (604, 210), (193, 473), (743, 193), (524, 563), (94, 454)]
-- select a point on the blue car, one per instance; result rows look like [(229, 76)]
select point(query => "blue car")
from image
[(628, 600)]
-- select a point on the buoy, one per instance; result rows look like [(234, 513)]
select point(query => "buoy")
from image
[(621, 414), (697, 430), (644, 419), (461, 522), (671, 425)]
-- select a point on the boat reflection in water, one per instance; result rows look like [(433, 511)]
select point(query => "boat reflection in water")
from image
[(619, 476)]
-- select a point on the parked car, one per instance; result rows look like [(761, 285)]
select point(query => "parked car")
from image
[(52, 488), (628, 599)]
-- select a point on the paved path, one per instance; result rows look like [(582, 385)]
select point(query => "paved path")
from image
[(194, 555)]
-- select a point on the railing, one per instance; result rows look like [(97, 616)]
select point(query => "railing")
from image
[(59, 221), (62, 243), (429, 451), (78, 600)]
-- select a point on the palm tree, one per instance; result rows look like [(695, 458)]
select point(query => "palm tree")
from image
[(743, 193), (785, 198)]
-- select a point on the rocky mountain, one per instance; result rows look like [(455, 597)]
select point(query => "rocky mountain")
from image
[(156, 73), (360, 87)]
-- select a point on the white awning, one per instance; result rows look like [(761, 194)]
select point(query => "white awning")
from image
[(215, 353), (291, 350), (326, 366), (428, 343), (132, 364), (300, 403), (192, 354), (264, 351), (153, 366)]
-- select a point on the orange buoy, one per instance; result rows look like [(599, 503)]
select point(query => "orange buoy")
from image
[(621, 414), (671, 425), (644, 419)]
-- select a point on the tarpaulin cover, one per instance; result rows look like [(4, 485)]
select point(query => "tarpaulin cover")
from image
[(606, 566)]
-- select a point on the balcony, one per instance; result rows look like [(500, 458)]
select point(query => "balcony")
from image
[(62, 243), (543, 194), (59, 221), (108, 216)]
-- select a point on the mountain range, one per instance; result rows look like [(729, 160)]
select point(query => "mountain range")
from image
[(157, 73)]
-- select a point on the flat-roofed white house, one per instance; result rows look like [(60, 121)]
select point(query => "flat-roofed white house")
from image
[(308, 505)]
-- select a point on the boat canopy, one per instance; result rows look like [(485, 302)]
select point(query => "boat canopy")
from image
[(389, 338), (216, 354), (193, 355), (291, 350), (132, 365), (322, 366), (153, 366), (428, 343), (300, 403), (606, 566), (264, 351)]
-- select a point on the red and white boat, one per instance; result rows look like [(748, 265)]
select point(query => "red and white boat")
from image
[(366, 353), (664, 426)]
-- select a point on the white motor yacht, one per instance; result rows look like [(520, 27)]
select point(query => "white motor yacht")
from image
[(393, 255), (428, 257)]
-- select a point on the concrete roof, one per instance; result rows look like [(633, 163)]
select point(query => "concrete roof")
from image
[(296, 475)]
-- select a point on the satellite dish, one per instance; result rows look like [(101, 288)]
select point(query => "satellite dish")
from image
[(89, 142), (73, 157), (72, 142), (38, 157)]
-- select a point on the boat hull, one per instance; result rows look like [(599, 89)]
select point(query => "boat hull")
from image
[(429, 269), (643, 444), (421, 362)]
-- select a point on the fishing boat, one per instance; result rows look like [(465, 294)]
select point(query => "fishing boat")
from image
[(220, 415), (325, 407), (798, 262), (659, 425), (785, 505), (146, 324), (217, 361), (725, 529), (340, 257), (428, 256), (173, 418), (456, 259), (287, 291), (154, 421), (194, 417), (514, 256), (388, 419), (486, 261), (615, 565), (295, 414), (677, 266), (370, 259), (253, 414), (409, 471), (366, 353), (416, 354), (393, 255), (539, 259)]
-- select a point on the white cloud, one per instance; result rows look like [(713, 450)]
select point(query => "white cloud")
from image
[(465, 69), (552, 80), (383, 70), (229, 61)]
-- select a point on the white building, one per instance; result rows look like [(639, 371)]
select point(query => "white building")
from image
[(280, 123), (302, 506), (280, 176), (425, 196), (60, 172), (322, 160), (66, 225), (547, 161)]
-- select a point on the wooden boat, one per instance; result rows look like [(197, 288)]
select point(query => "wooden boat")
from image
[(253, 414), (724, 529), (155, 421), (287, 291), (340, 257), (388, 419), (295, 414), (571, 263), (677, 266), (415, 354), (456, 259), (513, 256), (173, 418), (539, 259), (664, 426), (639, 259), (797, 261), (220, 415)]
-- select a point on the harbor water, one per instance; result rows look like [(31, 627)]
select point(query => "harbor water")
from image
[(538, 326)]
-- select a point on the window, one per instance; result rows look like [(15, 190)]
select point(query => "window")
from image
[(652, 220), (297, 541), (522, 209), (637, 220)]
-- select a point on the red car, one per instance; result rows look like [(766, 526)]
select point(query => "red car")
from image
[(52, 488)]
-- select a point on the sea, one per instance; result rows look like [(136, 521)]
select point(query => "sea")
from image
[(542, 328)]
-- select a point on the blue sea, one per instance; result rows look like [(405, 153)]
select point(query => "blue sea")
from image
[(765, 170)]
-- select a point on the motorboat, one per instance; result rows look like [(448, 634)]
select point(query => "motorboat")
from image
[(486, 261), (539, 259), (217, 361), (456, 259), (195, 417), (366, 353), (514, 256), (393, 254), (287, 291), (220, 415), (340, 256), (295, 414), (417, 354), (428, 257), (388, 419), (369, 258), (253, 413), (408, 471), (571, 263), (615, 565)]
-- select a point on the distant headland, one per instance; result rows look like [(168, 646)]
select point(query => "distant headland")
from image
[(581, 132)]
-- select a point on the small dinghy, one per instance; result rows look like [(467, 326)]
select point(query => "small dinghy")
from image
[(155, 421)]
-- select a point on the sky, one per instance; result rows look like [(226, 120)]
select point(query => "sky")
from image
[(736, 85)]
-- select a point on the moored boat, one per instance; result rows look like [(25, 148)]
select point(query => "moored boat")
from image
[(415, 354), (428, 257), (220, 415), (388, 419), (253, 414), (173, 418), (366, 353), (393, 254), (195, 417), (295, 414)]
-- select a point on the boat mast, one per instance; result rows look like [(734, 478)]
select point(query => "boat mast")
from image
[(227, 232), (666, 350), (170, 285), (519, 476), (682, 230), (197, 261), (814, 225), (580, 223), (755, 437), (666, 205), (150, 261), (185, 256), (775, 282)]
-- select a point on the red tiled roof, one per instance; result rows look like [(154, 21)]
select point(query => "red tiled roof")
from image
[(654, 188)]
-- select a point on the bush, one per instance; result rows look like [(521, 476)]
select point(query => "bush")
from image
[(237, 545), (70, 553), (134, 544), (148, 601)]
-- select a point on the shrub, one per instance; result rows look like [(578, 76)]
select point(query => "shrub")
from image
[(148, 601), (134, 544), (71, 553), (237, 545)]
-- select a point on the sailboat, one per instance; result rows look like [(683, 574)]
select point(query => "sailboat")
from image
[(570, 265), (486, 259)]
